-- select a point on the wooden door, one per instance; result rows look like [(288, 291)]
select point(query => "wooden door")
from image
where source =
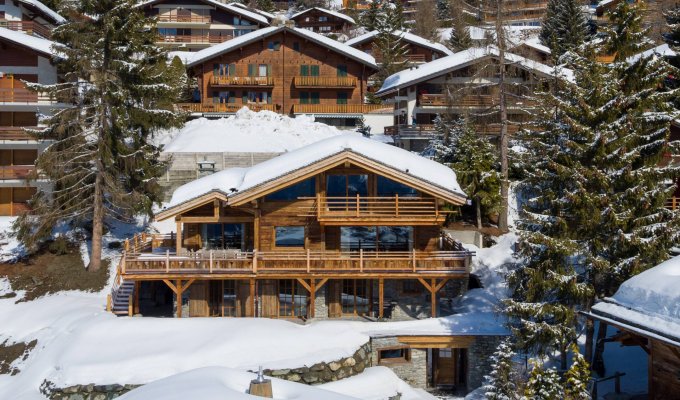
[(198, 299), (270, 298), (243, 299), (333, 299), (5, 201), (444, 366)]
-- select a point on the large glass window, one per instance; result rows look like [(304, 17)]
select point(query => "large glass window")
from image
[(395, 238), (292, 299), (389, 188), (306, 188), (289, 236), (346, 185), (222, 236), (356, 297), (381, 238)]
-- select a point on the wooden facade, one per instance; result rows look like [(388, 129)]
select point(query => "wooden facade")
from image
[(284, 70), (29, 18), (416, 52), (271, 249), (322, 21)]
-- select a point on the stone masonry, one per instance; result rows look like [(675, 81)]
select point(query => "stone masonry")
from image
[(479, 359), (413, 372)]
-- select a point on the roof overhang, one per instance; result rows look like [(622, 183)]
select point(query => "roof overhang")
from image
[(190, 204), (631, 327)]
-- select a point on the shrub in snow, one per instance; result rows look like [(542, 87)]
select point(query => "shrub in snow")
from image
[(577, 377), (501, 384), (543, 384)]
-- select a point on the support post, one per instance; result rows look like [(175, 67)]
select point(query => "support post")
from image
[(252, 297), (413, 259), (122, 261), (381, 296), (312, 297), (308, 262), (211, 261), (255, 261), (358, 204), (396, 204), (178, 240), (361, 260), (178, 285), (135, 309), (433, 292), (167, 260)]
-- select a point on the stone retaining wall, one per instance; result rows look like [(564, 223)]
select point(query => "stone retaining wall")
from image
[(86, 392)]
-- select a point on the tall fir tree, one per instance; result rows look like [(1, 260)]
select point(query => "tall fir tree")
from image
[(625, 35), (543, 384), (440, 145), (371, 18), (565, 26), (460, 33), (389, 44), (425, 21), (101, 161), (501, 383)]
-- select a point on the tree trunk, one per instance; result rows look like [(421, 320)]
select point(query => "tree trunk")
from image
[(563, 358), (500, 39), (97, 225), (478, 209), (598, 360)]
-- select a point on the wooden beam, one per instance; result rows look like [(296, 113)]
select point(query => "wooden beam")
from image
[(304, 284), (178, 238), (433, 298), (437, 342), (381, 295), (188, 283), (170, 285), (424, 283), (312, 297), (320, 284), (441, 284)]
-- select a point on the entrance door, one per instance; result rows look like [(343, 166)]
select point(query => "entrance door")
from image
[(444, 365)]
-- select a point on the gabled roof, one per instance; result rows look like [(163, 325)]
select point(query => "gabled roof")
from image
[(226, 7), (460, 60), (265, 14), (43, 46), (325, 11), (240, 185), (240, 41), (45, 11), (407, 36), (535, 43), (659, 51)]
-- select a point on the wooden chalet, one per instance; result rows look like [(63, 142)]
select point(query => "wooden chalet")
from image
[(461, 85), (420, 50), (516, 12), (29, 16), (23, 58), (644, 313), (283, 69), (191, 25), (343, 227), (323, 21)]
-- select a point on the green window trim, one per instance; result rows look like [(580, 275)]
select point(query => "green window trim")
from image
[(314, 98), (304, 70), (314, 70)]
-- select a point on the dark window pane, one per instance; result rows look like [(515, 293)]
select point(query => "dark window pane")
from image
[(233, 235), (353, 238), (357, 185), (306, 188), (389, 188), (336, 185), (289, 236)]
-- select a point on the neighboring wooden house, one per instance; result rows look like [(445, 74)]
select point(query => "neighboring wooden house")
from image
[(346, 226), (284, 69), (22, 58), (191, 25), (29, 16), (460, 85), (533, 50), (321, 20), (645, 312), (420, 50), (516, 12)]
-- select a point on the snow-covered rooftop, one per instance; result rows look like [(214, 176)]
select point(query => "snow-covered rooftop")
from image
[(407, 36), (236, 180), (35, 43), (48, 12), (649, 301), (659, 51), (535, 43), (254, 16), (266, 14), (229, 45), (247, 132), (329, 12), (459, 60)]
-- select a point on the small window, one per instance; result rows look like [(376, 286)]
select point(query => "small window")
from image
[(314, 70), (342, 70), (296, 46), (342, 98), (304, 97), (289, 236), (323, 19), (304, 70), (314, 98), (394, 355), (274, 46)]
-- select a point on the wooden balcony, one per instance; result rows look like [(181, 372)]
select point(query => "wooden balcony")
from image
[(223, 107), (359, 210), (470, 101), (336, 108), (23, 95), (191, 19), (419, 130), (15, 132), (194, 39), (673, 203), (413, 58), (242, 81), (325, 82), (16, 171), (28, 27)]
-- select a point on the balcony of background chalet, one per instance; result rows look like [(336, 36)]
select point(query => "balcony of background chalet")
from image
[(242, 81), (185, 19), (194, 39), (412, 58), (425, 131), (23, 95), (151, 256), (16, 171), (336, 108), (15, 132), (325, 82), (471, 101), (224, 107), (28, 27)]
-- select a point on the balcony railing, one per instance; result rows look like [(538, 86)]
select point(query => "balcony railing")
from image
[(325, 81), (470, 101), (16, 171), (336, 108), (22, 95), (29, 27), (194, 39), (223, 107), (414, 58), (193, 18), (673, 203), (15, 132), (410, 130), (242, 81)]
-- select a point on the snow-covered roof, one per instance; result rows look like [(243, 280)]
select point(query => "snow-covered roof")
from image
[(659, 51), (407, 36), (535, 43), (329, 12), (40, 45), (234, 181), (514, 34), (266, 14), (239, 41), (649, 301), (48, 12), (227, 7), (247, 132), (459, 60)]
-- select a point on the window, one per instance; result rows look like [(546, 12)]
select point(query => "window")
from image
[(309, 70), (323, 19), (314, 97), (274, 46), (304, 97), (224, 69), (223, 97), (229, 298), (389, 188), (257, 97), (395, 238), (263, 70), (342, 98), (306, 188), (371, 238), (355, 297), (289, 236), (292, 299), (394, 355), (354, 238), (342, 70), (222, 236), (346, 185), (304, 70), (296, 46), (325, 29), (314, 70)]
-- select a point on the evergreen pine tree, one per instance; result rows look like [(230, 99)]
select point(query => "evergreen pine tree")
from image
[(371, 18), (577, 377), (362, 128), (475, 161), (543, 384), (101, 162), (501, 384), (564, 27), (440, 146), (625, 35), (389, 44), (425, 20), (265, 5), (460, 34)]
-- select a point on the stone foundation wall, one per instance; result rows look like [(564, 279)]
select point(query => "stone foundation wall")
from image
[(86, 392), (325, 372), (413, 372), (408, 306), (479, 359)]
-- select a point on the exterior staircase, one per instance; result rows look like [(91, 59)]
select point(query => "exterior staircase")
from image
[(120, 297)]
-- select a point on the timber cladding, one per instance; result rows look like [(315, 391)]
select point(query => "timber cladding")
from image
[(13, 55), (664, 371), (281, 57)]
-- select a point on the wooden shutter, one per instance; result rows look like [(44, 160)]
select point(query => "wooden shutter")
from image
[(315, 98), (342, 70), (198, 299), (342, 98), (232, 69), (304, 97), (269, 70), (251, 69), (216, 69), (304, 70), (315, 70), (216, 97)]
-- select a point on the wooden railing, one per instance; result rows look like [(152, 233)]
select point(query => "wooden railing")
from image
[(242, 80), (410, 130), (29, 27), (23, 95), (673, 203), (15, 132), (359, 208), (193, 18), (336, 108), (16, 171), (198, 39), (470, 101), (223, 107), (325, 81), (414, 58)]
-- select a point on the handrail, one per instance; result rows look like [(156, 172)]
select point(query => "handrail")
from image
[(29, 27), (243, 80), (336, 108), (198, 39), (324, 81), (673, 203), (16, 171), (224, 107), (329, 207), (205, 19)]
